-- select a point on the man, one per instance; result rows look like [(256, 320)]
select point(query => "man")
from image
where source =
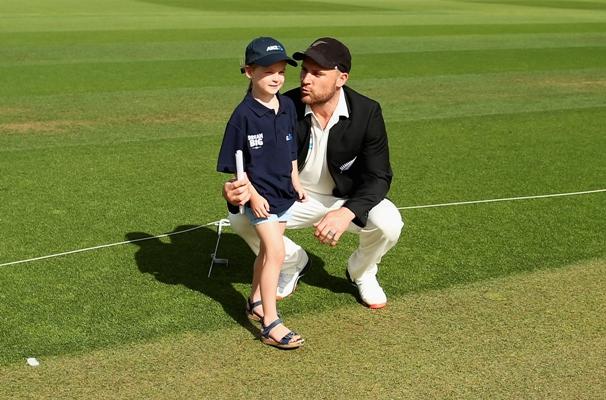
[(343, 160)]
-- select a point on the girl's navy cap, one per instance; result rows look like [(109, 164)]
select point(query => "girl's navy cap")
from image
[(265, 51)]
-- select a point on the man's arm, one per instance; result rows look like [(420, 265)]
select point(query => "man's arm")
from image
[(372, 179), (375, 174)]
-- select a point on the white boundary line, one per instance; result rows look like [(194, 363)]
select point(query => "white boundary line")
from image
[(224, 222), (542, 196), (113, 244)]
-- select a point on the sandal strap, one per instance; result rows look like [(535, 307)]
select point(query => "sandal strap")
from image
[(286, 339), (253, 304), (250, 310), (268, 328)]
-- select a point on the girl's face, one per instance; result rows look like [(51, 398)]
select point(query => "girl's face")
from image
[(266, 80)]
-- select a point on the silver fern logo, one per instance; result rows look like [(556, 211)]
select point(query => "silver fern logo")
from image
[(347, 165)]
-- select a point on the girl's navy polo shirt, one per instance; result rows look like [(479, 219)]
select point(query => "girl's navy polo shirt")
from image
[(269, 145)]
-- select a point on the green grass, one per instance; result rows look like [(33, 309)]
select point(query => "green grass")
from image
[(533, 335), (111, 116)]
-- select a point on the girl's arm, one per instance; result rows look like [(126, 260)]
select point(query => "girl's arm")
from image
[(258, 203)]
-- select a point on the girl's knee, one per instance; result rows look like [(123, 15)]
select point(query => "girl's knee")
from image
[(274, 257)]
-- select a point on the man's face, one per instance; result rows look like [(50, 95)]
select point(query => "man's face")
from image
[(318, 84)]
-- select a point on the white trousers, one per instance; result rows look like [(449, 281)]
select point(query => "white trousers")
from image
[(380, 234)]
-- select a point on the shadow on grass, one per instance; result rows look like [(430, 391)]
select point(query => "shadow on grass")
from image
[(184, 259), (319, 277)]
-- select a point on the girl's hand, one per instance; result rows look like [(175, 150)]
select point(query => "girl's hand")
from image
[(259, 206)]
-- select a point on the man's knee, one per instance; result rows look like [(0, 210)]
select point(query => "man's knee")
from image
[(392, 228), (387, 218), (239, 223)]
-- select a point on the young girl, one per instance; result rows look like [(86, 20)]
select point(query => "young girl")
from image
[(262, 126)]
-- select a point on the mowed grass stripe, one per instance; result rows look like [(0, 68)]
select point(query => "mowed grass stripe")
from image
[(479, 61), (80, 16), (561, 4), (360, 46), (39, 121), (467, 95), (498, 156), (532, 335), (105, 77), (244, 6), (112, 8), (295, 32)]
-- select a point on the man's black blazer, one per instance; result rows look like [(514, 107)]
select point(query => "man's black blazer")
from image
[(357, 152)]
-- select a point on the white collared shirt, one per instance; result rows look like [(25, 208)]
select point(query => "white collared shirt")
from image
[(315, 176)]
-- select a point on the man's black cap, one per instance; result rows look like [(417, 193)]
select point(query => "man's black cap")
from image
[(265, 51), (328, 53)]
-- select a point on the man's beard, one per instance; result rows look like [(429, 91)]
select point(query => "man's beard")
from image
[(317, 100)]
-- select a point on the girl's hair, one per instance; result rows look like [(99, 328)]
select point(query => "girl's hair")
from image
[(249, 81)]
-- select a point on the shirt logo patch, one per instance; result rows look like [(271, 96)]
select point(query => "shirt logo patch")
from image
[(289, 137), (255, 141)]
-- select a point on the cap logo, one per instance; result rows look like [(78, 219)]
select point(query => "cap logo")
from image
[(274, 47), (314, 44)]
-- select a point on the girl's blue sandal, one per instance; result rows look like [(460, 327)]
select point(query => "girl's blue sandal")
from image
[(287, 341)]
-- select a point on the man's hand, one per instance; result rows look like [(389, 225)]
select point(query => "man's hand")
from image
[(330, 228), (237, 192)]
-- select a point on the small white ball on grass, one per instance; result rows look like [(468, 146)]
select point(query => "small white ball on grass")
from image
[(33, 362)]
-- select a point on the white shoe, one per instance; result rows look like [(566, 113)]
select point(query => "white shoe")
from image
[(287, 283), (371, 292)]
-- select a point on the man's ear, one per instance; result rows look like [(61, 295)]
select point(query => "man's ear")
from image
[(342, 79)]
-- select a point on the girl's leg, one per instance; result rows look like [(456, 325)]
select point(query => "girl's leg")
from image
[(255, 290), (272, 250)]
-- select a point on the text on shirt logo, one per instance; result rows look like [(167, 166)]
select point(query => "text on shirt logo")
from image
[(255, 141)]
